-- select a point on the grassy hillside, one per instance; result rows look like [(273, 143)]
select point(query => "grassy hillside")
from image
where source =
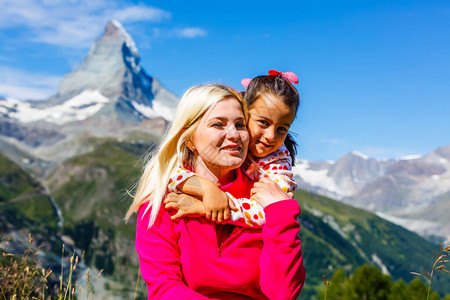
[(26, 208), (23, 201), (91, 192), (335, 235)]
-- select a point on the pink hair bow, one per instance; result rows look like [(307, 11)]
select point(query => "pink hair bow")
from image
[(288, 75), (245, 82)]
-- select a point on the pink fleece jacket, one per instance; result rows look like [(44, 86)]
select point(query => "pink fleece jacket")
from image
[(183, 259)]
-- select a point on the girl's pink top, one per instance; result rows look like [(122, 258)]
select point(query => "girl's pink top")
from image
[(186, 258)]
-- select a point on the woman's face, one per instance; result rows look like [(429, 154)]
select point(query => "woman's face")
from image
[(221, 139)]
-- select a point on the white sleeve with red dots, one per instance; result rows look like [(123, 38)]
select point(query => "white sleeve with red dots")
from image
[(180, 176), (250, 213), (277, 166)]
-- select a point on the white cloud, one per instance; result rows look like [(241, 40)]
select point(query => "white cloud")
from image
[(27, 86), (190, 32), (333, 141), (75, 23), (141, 13), (386, 152)]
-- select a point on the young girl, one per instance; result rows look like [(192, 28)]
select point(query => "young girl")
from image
[(272, 103)]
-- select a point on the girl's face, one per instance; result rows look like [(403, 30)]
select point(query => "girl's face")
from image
[(221, 139), (269, 123)]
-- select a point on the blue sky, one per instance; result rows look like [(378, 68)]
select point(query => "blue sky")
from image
[(374, 75)]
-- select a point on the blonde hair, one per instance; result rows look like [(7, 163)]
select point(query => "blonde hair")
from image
[(172, 151)]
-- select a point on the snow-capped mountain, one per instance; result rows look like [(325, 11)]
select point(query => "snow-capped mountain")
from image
[(109, 95), (340, 179), (78, 108), (411, 191)]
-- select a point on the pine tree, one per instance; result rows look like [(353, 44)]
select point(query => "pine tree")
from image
[(399, 291), (370, 284)]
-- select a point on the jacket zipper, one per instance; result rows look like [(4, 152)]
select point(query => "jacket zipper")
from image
[(220, 249)]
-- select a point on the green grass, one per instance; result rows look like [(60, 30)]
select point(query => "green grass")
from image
[(22, 200), (14, 181)]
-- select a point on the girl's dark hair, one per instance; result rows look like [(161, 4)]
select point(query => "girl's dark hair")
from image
[(280, 87), (291, 145)]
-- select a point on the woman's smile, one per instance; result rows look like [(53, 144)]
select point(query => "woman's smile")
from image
[(232, 149)]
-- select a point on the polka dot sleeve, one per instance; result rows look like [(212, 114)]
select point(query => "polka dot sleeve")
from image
[(249, 214), (180, 176), (277, 166)]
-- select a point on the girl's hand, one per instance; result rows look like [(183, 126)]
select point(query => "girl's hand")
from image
[(266, 192), (185, 205), (217, 204)]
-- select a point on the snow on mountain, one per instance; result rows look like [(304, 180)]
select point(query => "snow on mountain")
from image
[(407, 191), (314, 177), (363, 156), (128, 40), (78, 108), (410, 157), (341, 179), (108, 95), (407, 186), (113, 68), (110, 76)]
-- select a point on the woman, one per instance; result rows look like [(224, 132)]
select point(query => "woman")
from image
[(192, 257)]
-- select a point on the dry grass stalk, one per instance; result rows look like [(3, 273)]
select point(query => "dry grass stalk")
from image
[(326, 283), (88, 282), (22, 277), (99, 273), (137, 283), (62, 270), (443, 253)]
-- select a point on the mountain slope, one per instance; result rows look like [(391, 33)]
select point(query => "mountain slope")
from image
[(23, 201), (405, 191), (109, 95), (26, 208), (113, 69), (90, 190), (340, 179), (336, 235)]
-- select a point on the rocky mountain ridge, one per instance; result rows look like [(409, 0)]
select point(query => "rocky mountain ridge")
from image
[(109, 95), (406, 191)]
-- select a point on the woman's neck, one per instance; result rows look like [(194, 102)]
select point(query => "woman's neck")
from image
[(219, 176)]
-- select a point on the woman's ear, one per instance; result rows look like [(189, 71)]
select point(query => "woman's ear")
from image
[(190, 145)]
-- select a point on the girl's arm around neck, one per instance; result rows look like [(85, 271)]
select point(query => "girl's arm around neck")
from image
[(216, 202)]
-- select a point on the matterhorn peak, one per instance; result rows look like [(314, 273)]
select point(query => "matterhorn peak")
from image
[(109, 94), (113, 69), (115, 30)]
